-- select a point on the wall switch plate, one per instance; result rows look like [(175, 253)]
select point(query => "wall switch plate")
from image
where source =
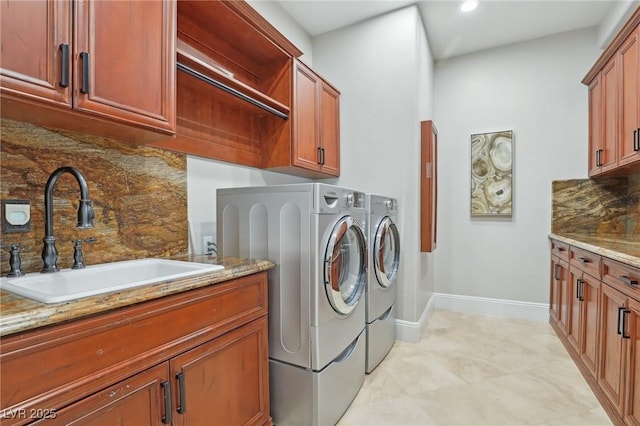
[(208, 246), (16, 216)]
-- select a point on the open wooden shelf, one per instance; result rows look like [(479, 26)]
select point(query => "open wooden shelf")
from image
[(234, 83)]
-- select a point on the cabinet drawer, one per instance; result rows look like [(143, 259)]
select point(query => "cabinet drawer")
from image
[(560, 250), (54, 366), (586, 261), (623, 277)]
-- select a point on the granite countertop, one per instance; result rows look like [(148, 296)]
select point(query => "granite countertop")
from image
[(18, 313), (616, 247)]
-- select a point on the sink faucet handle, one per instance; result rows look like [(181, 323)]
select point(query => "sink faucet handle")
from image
[(15, 263), (78, 256)]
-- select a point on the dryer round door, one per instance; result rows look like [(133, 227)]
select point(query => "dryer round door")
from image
[(345, 265), (386, 252)]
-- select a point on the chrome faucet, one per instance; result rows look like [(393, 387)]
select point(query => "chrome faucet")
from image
[(85, 215)]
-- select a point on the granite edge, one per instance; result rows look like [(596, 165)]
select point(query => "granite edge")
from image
[(603, 251)]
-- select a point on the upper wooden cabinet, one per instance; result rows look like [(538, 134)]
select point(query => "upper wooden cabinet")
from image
[(614, 104), (105, 68), (629, 64), (233, 82), (36, 38), (243, 97), (316, 123), (314, 148)]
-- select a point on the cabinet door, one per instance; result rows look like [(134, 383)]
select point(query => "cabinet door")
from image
[(125, 61), (138, 401), (558, 270), (306, 150), (612, 346), (629, 60), (608, 157), (595, 124), (632, 411), (330, 129), (564, 296), (32, 33), (574, 309), (590, 296), (226, 381), (428, 185)]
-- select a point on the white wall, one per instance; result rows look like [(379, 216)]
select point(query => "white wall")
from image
[(534, 89), (618, 13), (384, 71), (281, 20), (204, 175)]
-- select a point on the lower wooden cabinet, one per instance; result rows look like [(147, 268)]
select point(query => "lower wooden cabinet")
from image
[(224, 382), (582, 329), (195, 358), (138, 400), (590, 297), (613, 345), (632, 411), (218, 383), (559, 298), (600, 327)]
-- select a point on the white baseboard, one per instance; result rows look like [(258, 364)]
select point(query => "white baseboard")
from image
[(409, 331), (538, 312)]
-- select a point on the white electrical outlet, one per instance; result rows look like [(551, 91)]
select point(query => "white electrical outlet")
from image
[(208, 246)]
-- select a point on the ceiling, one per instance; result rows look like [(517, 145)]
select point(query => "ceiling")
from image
[(451, 32)]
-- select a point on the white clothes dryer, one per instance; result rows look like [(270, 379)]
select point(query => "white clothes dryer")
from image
[(383, 241), (314, 234)]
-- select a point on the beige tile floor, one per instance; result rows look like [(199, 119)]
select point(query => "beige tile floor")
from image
[(477, 370)]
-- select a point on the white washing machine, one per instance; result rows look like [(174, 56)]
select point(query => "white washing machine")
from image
[(313, 233), (383, 241)]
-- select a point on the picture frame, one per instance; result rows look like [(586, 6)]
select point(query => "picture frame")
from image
[(492, 174)]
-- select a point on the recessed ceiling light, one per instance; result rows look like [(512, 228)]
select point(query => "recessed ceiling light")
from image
[(469, 5)]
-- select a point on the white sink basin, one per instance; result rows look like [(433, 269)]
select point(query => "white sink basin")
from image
[(70, 284)]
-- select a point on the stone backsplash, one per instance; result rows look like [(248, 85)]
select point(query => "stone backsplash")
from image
[(609, 206), (139, 195)]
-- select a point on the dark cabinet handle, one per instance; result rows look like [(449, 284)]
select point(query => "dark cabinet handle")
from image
[(583, 259), (84, 57), (320, 156), (636, 140), (625, 312), (618, 332), (64, 59), (578, 281), (556, 271), (622, 322), (579, 290), (560, 248), (182, 397), (599, 157), (627, 280), (166, 392)]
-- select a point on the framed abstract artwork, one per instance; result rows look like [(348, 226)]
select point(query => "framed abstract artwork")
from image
[(492, 173)]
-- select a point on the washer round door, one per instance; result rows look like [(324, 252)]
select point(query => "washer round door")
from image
[(345, 265), (386, 252)]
